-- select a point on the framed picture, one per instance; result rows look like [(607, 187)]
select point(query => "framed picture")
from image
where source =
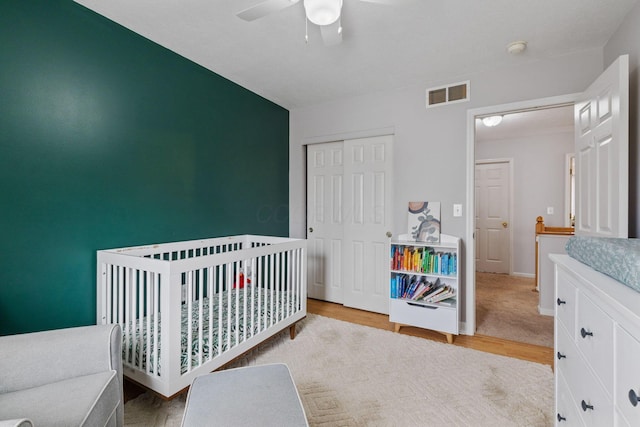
[(424, 221)]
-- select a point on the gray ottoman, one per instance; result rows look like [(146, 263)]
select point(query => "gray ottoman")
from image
[(250, 396)]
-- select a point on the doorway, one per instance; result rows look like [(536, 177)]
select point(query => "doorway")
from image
[(475, 132), (535, 145)]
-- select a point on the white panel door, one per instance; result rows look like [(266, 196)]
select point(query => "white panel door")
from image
[(368, 186), (492, 217), (324, 221), (602, 154)]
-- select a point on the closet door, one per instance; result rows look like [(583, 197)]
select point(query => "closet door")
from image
[(324, 221), (367, 220)]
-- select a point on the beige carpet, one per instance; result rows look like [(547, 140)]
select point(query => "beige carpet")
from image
[(352, 375), (506, 307)]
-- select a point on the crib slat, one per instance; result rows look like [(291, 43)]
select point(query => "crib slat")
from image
[(210, 293), (157, 282), (228, 288), (219, 307), (271, 286), (244, 289), (277, 286), (200, 315), (236, 273), (189, 303), (253, 295), (260, 287)]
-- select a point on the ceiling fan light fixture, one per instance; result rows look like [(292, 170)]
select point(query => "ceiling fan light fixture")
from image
[(491, 121), (322, 12)]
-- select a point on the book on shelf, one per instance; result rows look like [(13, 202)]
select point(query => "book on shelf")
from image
[(446, 294), (433, 287), (423, 260)]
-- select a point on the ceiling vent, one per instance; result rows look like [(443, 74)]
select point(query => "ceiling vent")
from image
[(442, 95)]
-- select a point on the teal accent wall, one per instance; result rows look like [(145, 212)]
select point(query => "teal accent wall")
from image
[(109, 140)]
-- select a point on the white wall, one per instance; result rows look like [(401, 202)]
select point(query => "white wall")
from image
[(538, 181), (430, 144), (627, 41)]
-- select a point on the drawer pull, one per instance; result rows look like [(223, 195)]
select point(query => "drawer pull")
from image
[(560, 302), (585, 406), (633, 397), (423, 306), (561, 418), (585, 334), (561, 356)]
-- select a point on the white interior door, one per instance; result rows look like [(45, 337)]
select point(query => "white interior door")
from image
[(324, 221), (368, 190), (602, 154), (492, 180)]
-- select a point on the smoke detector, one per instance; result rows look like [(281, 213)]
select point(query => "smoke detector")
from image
[(516, 47)]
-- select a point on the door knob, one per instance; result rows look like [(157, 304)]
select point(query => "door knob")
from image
[(504, 224), (310, 229), (389, 234)]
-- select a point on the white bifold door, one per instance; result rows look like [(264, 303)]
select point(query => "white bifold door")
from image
[(349, 186)]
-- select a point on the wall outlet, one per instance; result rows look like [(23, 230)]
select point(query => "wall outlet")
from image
[(550, 210), (457, 210)]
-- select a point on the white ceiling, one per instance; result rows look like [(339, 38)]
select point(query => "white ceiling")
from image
[(413, 42)]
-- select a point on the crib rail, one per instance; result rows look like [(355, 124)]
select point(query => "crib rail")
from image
[(187, 308)]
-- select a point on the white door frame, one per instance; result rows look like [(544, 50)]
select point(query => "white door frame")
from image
[(509, 162), (469, 326)]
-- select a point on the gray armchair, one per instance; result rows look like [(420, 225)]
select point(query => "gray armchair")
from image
[(66, 377)]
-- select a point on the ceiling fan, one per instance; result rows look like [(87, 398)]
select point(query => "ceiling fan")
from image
[(323, 13)]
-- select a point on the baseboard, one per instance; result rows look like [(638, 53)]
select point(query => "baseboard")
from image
[(527, 275), (546, 311)]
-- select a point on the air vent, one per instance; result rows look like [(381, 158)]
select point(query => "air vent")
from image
[(457, 92)]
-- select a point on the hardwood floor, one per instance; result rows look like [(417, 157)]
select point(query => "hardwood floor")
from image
[(530, 352)]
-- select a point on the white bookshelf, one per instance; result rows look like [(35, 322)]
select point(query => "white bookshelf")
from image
[(425, 263)]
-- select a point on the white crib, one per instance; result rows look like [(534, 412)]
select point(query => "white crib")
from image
[(235, 292)]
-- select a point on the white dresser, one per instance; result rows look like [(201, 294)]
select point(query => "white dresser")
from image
[(597, 348)]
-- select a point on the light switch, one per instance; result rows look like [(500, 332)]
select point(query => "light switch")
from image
[(457, 210)]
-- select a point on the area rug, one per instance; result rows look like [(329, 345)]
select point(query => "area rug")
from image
[(353, 375), (507, 307)]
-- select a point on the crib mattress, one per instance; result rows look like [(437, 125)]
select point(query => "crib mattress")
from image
[(264, 315), (618, 258)]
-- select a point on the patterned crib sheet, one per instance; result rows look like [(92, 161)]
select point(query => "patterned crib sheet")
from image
[(618, 258), (135, 337)]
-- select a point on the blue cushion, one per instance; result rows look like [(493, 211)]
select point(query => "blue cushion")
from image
[(618, 258)]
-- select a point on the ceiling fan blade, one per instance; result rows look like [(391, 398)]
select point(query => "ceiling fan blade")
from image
[(331, 34), (264, 8)]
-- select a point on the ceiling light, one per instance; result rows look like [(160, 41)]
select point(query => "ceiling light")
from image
[(323, 12), (517, 47), (491, 121)]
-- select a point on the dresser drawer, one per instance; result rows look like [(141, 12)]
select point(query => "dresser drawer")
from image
[(566, 358), (595, 339), (443, 319), (567, 413), (583, 385), (566, 300), (627, 377)]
